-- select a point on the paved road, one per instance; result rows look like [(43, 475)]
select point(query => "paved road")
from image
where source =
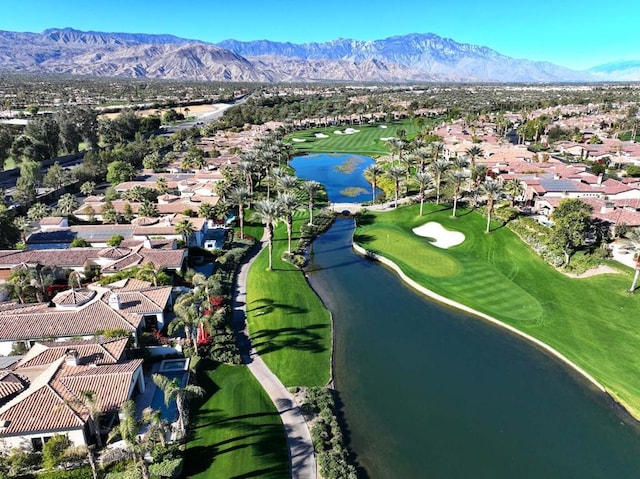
[(301, 454)]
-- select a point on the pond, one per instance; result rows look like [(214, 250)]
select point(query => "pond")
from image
[(431, 392), (342, 175)]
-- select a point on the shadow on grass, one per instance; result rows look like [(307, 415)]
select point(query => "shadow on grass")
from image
[(363, 238), (266, 443), (300, 339), (269, 306), (365, 219)]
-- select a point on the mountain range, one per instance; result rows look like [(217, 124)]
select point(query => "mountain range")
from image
[(406, 58)]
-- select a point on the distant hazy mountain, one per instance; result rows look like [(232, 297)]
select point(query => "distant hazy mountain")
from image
[(417, 57), (617, 71), (426, 52)]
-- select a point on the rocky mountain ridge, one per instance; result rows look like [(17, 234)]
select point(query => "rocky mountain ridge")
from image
[(414, 58)]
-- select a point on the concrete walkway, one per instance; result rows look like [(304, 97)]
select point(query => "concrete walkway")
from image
[(301, 453)]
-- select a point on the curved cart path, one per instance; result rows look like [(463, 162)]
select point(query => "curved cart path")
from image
[(301, 453)]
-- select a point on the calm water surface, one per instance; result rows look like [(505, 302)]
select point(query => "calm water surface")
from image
[(431, 393), (342, 175)]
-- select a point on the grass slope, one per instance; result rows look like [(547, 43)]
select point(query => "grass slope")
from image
[(237, 432), (366, 142), (289, 326), (592, 321)]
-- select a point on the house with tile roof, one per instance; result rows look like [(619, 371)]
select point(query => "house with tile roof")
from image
[(129, 305), (46, 387)]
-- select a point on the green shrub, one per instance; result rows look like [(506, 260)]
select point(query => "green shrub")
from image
[(83, 472), (115, 240), (171, 468), (53, 450)]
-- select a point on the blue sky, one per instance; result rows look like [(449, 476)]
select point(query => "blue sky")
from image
[(576, 34)]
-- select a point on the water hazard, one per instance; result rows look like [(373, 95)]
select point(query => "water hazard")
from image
[(432, 393), (342, 175)]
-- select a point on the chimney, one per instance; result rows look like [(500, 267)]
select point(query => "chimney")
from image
[(599, 179), (114, 301), (72, 357)]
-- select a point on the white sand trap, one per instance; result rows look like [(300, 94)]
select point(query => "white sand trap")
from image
[(350, 131), (321, 135), (382, 126), (443, 237), (388, 138), (298, 140), (337, 132)]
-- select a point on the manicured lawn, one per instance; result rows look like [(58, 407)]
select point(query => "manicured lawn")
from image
[(289, 326), (593, 321), (366, 142), (237, 431)]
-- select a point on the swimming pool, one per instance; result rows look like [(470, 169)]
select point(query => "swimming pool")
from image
[(171, 368)]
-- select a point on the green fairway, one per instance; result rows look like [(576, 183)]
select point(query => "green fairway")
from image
[(366, 142), (592, 321), (289, 326), (237, 432)]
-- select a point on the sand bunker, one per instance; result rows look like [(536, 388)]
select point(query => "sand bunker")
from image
[(337, 132), (442, 237), (382, 126), (321, 135), (298, 140), (350, 131)]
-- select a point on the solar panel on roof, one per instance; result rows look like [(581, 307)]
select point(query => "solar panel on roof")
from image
[(558, 185)]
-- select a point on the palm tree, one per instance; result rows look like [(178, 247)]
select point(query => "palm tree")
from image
[(372, 172), (240, 197), (439, 168), (180, 394), (491, 190), (474, 152), (187, 315), (311, 187), (207, 210), (185, 229), (38, 211), (457, 178), (269, 212), (289, 204), (425, 180), (128, 430), (395, 173), (287, 183), (245, 168), (67, 203), (88, 400), (634, 236), (87, 188), (148, 209), (23, 225), (149, 272), (513, 188), (161, 185)]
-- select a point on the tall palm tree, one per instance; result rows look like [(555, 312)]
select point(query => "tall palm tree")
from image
[(289, 204), (491, 190), (425, 180), (395, 173), (187, 315), (173, 391), (372, 172), (185, 228), (439, 168), (287, 183), (311, 188), (128, 428), (634, 236), (240, 197), (474, 152), (269, 212), (245, 168), (457, 179), (513, 188), (89, 402)]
